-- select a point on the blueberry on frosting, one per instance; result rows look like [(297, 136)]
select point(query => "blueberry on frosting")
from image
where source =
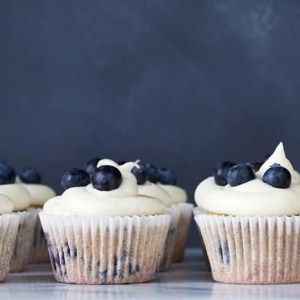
[(91, 165), (220, 172), (106, 178), (166, 176), (140, 173), (239, 174), (278, 177), (255, 165), (7, 173), (75, 178), (29, 175), (152, 171)]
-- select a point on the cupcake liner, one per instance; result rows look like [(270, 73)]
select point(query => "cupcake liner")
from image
[(8, 233), (105, 250), (167, 257), (22, 251), (252, 250), (182, 230), (39, 253), (198, 211)]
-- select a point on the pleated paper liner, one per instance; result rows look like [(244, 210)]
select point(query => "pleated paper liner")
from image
[(167, 257), (182, 230), (22, 251), (198, 211), (39, 253), (105, 250), (8, 233), (252, 250)]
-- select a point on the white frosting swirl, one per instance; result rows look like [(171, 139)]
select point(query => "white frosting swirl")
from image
[(123, 201), (39, 193), (18, 194), (6, 205), (253, 198), (154, 190), (178, 195)]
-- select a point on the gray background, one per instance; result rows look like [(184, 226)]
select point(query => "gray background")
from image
[(182, 84)]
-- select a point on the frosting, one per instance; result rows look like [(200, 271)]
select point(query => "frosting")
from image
[(178, 195), (123, 201), (18, 194), (6, 205), (154, 190), (39, 193), (253, 198)]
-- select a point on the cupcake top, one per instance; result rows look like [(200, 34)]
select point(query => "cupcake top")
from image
[(274, 190), (150, 189), (18, 194), (165, 179), (30, 179), (113, 191), (6, 205), (178, 194)]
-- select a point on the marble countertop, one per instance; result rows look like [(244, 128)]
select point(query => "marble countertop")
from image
[(187, 280)]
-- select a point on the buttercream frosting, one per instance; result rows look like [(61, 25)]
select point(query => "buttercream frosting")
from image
[(154, 190), (253, 198), (18, 194), (123, 201), (39, 193), (6, 205), (178, 195)]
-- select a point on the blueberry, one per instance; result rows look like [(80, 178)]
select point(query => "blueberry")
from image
[(166, 176), (255, 165), (106, 178), (239, 174), (220, 172), (7, 173), (152, 171), (140, 174), (91, 165), (278, 177), (75, 177), (30, 175)]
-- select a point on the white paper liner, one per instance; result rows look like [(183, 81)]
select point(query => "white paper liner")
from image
[(198, 211), (167, 257), (182, 230), (252, 250), (8, 233), (22, 251), (39, 251), (105, 250)]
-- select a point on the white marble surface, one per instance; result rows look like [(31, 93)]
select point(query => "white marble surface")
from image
[(188, 280)]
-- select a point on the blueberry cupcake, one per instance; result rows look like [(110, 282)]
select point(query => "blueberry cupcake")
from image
[(149, 189), (21, 202), (31, 180), (101, 231), (9, 223), (250, 221), (166, 180)]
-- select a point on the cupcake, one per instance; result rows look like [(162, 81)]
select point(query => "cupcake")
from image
[(9, 223), (166, 180), (149, 189), (31, 180), (21, 201), (250, 221), (103, 232)]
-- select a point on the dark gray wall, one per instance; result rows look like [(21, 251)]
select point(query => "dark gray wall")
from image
[(178, 83)]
